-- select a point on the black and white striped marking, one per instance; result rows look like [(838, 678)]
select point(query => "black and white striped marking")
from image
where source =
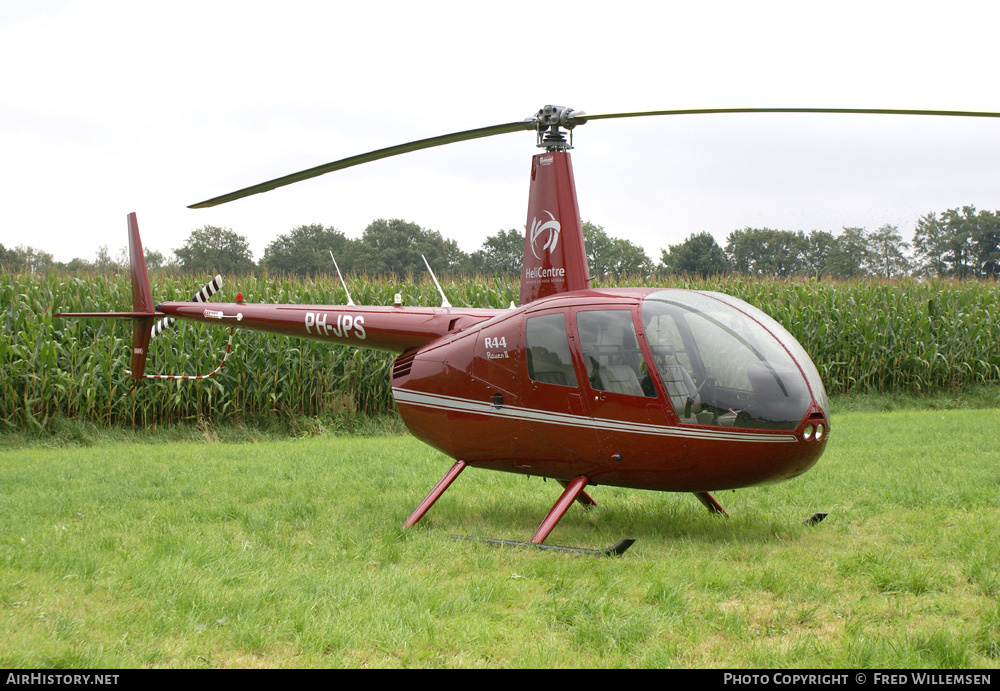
[(209, 289)]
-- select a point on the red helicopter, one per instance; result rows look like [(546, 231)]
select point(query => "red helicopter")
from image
[(649, 388)]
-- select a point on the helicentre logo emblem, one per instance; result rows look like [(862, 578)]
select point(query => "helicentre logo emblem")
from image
[(538, 228)]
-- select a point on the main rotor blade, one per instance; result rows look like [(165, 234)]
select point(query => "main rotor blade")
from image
[(367, 158), (569, 119), (850, 111)]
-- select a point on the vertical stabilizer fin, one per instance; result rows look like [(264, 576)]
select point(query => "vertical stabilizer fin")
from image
[(142, 299)]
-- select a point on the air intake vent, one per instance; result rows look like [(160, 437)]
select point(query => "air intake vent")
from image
[(402, 365)]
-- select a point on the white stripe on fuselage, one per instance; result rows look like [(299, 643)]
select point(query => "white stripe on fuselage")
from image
[(465, 405)]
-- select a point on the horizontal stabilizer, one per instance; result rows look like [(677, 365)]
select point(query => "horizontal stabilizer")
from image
[(109, 315)]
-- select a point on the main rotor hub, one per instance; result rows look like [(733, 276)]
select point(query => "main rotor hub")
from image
[(549, 123)]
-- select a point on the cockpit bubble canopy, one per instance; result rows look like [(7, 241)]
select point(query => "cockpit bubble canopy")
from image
[(725, 362)]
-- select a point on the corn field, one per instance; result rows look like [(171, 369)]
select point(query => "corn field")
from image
[(901, 336)]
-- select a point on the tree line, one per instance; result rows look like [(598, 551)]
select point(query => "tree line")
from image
[(960, 243), (386, 247), (397, 247)]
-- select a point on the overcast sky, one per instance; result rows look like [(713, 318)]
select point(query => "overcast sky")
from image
[(112, 107)]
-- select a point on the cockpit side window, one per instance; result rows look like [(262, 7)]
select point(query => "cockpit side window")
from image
[(674, 360), (720, 366), (549, 360), (611, 353)]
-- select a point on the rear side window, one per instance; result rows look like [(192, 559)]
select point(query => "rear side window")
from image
[(611, 353), (549, 360)]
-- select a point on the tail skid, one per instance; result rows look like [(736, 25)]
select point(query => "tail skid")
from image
[(225, 357)]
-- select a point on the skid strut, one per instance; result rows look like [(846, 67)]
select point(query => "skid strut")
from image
[(573, 490), (709, 501), (583, 498), (435, 493)]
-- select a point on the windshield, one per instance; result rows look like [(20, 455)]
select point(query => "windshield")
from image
[(722, 367)]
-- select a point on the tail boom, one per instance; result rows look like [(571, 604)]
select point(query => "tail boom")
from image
[(392, 329)]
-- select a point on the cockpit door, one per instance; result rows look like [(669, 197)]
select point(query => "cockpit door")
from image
[(622, 395)]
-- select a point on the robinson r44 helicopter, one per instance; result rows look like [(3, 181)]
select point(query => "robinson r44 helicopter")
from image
[(648, 388)]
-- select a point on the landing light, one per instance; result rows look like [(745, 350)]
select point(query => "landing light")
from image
[(807, 433), (819, 432)]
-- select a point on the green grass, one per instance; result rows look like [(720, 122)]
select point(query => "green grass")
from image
[(972, 397), (289, 552), (65, 433)]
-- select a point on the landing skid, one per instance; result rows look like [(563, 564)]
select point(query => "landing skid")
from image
[(572, 492), (614, 550)]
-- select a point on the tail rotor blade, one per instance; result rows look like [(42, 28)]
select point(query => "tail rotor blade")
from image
[(207, 291)]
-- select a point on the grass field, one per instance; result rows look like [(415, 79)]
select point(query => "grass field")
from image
[(290, 553)]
